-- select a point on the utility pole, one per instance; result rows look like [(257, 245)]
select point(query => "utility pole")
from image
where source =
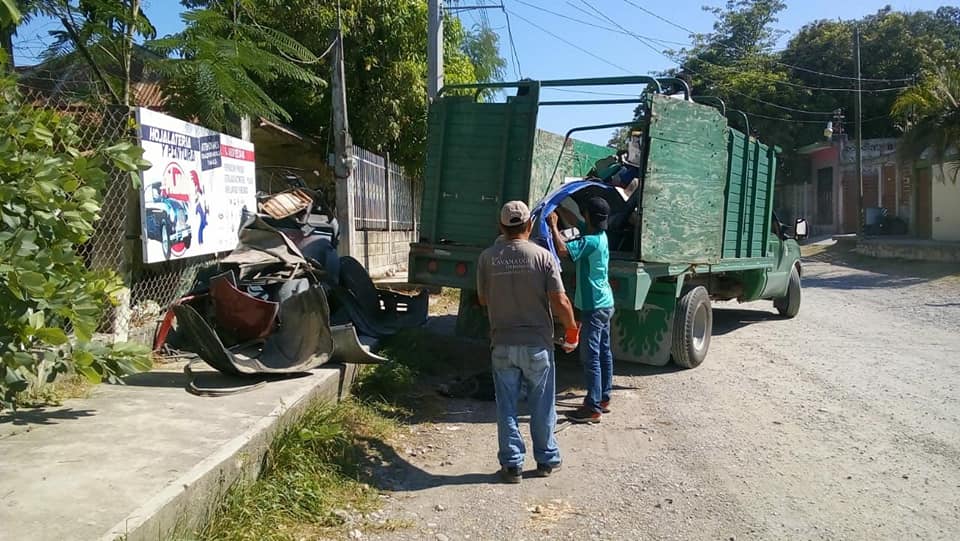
[(434, 48), (861, 218), (343, 161)]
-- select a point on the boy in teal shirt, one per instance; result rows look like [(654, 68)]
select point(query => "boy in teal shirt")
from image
[(594, 298)]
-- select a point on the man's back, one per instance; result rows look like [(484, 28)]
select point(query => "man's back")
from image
[(515, 277)]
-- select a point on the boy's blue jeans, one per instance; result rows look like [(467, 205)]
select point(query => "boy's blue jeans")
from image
[(596, 356), (533, 368)]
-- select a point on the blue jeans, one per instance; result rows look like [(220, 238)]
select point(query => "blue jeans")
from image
[(533, 368), (596, 356)]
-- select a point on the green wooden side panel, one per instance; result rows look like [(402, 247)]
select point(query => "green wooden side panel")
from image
[(748, 197), (478, 157), (576, 161), (686, 177)]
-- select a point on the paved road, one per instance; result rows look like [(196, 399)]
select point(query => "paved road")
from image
[(843, 423)]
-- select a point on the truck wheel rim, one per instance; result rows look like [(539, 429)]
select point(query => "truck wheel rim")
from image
[(699, 327)]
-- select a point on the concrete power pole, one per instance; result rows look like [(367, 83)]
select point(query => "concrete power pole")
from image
[(343, 161), (434, 48), (861, 217)]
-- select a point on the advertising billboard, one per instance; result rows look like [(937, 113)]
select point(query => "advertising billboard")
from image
[(195, 193)]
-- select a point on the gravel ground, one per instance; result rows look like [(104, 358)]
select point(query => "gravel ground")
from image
[(843, 423)]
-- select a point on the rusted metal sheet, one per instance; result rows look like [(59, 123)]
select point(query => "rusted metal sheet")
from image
[(683, 198)]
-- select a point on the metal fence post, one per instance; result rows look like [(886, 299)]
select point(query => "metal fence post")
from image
[(389, 196)]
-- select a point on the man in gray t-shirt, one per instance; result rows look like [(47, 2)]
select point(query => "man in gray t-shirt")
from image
[(519, 283)]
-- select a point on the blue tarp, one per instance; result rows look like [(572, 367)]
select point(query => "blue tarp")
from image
[(541, 229)]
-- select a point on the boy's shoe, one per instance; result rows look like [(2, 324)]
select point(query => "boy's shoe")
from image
[(546, 470), (604, 405), (511, 474), (584, 415)]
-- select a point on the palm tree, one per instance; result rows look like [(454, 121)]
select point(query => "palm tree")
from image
[(930, 116)]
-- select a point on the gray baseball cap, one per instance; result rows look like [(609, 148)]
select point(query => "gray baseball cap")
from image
[(514, 213)]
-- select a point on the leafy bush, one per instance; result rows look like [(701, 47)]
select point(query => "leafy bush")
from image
[(50, 196)]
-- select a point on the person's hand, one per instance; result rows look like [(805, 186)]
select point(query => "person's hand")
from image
[(552, 219), (571, 339)]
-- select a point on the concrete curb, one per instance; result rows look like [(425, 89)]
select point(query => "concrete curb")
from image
[(187, 502)]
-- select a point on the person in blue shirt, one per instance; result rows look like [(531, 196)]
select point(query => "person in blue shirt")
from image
[(594, 298)]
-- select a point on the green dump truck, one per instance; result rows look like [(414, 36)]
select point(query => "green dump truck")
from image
[(695, 224)]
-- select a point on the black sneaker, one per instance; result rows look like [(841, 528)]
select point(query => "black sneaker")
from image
[(546, 470), (604, 405), (511, 474), (584, 415)]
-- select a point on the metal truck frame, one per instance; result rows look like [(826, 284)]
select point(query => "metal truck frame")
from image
[(701, 222)]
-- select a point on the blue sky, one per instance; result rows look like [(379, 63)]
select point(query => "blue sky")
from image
[(545, 56)]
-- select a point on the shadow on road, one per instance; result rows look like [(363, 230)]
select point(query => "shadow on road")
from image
[(397, 474), (727, 320), (883, 273)]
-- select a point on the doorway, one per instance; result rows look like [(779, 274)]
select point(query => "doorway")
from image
[(825, 196), (923, 223)]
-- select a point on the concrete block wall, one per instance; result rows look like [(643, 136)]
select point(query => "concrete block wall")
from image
[(383, 252)]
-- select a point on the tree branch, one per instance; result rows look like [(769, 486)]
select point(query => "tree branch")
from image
[(82, 48)]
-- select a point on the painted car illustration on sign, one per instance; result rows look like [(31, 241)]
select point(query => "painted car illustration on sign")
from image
[(167, 220)]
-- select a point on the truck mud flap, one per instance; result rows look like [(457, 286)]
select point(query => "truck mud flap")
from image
[(348, 349)]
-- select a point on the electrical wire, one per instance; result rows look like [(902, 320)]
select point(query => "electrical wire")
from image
[(798, 68), (513, 46), (591, 24), (687, 68), (571, 44), (799, 121), (591, 92)]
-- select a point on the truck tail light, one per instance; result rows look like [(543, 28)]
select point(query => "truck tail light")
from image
[(461, 269), (432, 266)]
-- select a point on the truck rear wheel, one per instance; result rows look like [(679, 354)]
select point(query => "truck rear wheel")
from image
[(692, 328), (789, 305)]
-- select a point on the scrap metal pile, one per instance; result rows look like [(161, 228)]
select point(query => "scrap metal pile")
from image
[(284, 301)]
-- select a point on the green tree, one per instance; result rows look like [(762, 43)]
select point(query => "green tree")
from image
[(790, 94), (930, 115), (219, 66), (385, 44), (45, 287)]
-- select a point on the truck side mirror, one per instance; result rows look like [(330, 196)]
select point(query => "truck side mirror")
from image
[(800, 229)]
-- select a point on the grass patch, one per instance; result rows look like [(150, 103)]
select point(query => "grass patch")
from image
[(446, 303), (315, 480), (312, 484), (65, 387)]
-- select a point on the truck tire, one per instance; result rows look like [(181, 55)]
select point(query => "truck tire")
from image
[(692, 328), (789, 305)]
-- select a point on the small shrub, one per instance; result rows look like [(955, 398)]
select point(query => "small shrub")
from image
[(50, 196)]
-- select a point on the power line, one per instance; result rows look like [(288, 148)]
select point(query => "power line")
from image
[(652, 14), (588, 23), (803, 86), (799, 121), (798, 68), (571, 44), (513, 46), (749, 97), (591, 92)]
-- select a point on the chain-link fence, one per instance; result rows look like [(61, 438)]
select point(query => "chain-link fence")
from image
[(116, 242), (385, 200)]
